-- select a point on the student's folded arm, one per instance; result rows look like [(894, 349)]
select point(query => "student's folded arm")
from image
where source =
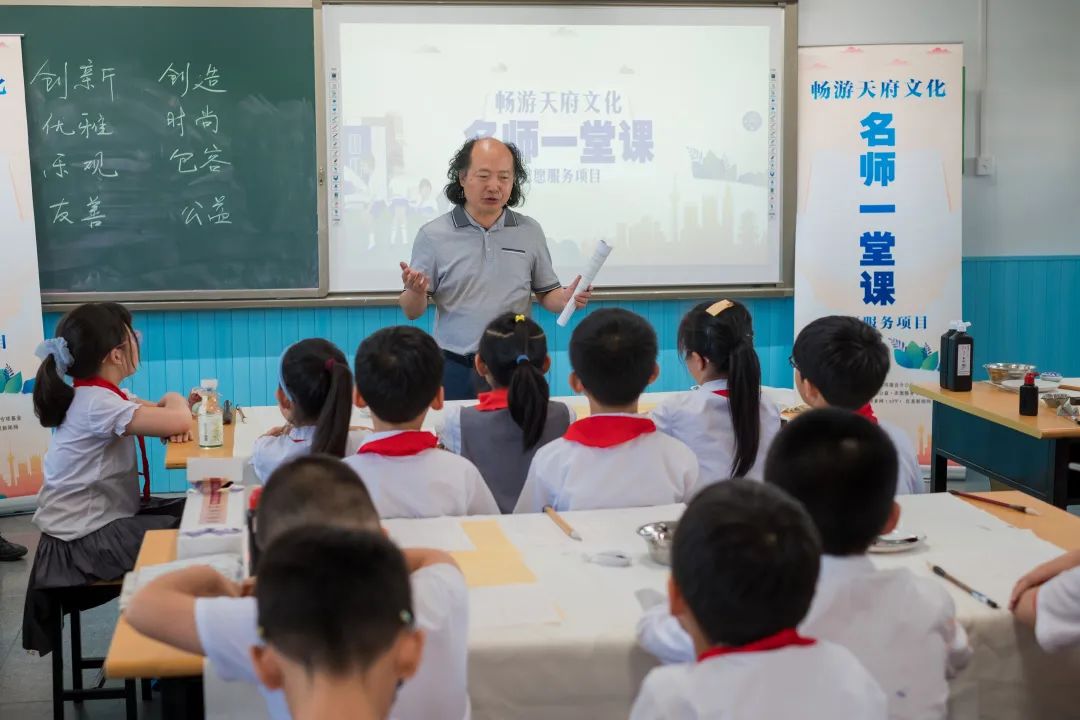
[(164, 610), (168, 418), (1026, 608)]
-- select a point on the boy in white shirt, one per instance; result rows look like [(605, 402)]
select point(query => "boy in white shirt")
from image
[(842, 362), (339, 653), (901, 627), (398, 375), (1047, 599), (614, 458), (199, 611), (743, 567)]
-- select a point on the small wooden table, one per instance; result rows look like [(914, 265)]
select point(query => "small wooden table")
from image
[(177, 454), (984, 430)]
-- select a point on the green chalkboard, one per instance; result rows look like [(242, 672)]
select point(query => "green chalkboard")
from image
[(172, 149)]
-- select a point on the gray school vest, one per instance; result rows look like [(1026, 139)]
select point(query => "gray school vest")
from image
[(492, 442)]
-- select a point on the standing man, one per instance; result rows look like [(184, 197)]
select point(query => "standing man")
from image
[(480, 260)]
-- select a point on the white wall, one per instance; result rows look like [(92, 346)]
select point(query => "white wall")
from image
[(1031, 204)]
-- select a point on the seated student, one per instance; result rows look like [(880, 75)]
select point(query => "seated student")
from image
[(1047, 599), (613, 458), (842, 362), (743, 567), (501, 434), (314, 395), (199, 611), (399, 377), (340, 652), (901, 627), (91, 512), (726, 421)]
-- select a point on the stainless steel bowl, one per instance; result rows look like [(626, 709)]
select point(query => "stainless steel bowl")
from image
[(1055, 399), (658, 537), (1000, 372)]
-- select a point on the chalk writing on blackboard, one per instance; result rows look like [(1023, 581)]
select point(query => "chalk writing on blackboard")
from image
[(180, 76), (58, 166), (94, 216), (221, 215), (96, 166), (207, 120), (55, 126), (176, 119), (61, 215), (52, 80)]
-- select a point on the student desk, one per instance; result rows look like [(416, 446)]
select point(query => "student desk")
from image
[(983, 430), (177, 454), (559, 640), (240, 436)]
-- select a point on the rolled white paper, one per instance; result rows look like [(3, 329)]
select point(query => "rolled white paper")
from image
[(587, 277)]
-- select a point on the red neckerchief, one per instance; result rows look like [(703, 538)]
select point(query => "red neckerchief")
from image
[(102, 383), (721, 393), (410, 442), (494, 400), (603, 431), (867, 412), (785, 638)]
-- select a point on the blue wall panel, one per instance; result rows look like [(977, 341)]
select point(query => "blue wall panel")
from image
[(1021, 309)]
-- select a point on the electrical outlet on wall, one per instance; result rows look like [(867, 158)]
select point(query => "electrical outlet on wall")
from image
[(984, 165)]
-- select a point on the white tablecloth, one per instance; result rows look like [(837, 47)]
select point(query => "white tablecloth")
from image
[(563, 647), (262, 418)]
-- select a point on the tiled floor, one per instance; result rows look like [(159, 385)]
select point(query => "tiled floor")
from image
[(26, 680)]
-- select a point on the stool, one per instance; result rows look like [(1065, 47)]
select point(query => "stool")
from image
[(72, 601)]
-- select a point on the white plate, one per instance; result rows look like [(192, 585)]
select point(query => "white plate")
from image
[(897, 541), (1043, 385)]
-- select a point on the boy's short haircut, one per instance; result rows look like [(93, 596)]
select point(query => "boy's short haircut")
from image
[(313, 490), (745, 558), (333, 599), (844, 358), (613, 352), (399, 371), (843, 469)]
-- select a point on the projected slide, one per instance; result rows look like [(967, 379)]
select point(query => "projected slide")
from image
[(656, 130)]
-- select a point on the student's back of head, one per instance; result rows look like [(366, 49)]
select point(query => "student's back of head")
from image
[(398, 373), (316, 380), (84, 338), (721, 336), (745, 562), (844, 359), (843, 469), (313, 490), (613, 353), (336, 603), (514, 350)]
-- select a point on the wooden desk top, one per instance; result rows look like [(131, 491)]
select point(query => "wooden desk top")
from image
[(1000, 406), (132, 655), (1053, 524), (177, 454)]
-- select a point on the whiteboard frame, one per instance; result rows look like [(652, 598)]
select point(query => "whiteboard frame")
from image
[(151, 299)]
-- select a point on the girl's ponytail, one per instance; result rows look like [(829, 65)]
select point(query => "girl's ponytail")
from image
[(52, 394), (514, 349)]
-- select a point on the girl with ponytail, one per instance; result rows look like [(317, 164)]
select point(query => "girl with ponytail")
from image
[(501, 434), (92, 512), (314, 395), (724, 421)]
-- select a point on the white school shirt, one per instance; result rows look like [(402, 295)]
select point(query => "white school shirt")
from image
[(90, 472), (702, 420), (1057, 611), (901, 627), (449, 429), (820, 681), (228, 628), (271, 451), (909, 480), (430, 483), (651, 469)]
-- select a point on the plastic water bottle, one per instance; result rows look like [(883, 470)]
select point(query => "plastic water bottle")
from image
[(211, 418)]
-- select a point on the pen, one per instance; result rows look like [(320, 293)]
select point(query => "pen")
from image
[(563, 525), (999, 503)]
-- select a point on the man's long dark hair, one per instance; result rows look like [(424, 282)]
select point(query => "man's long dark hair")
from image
[(459, 164)]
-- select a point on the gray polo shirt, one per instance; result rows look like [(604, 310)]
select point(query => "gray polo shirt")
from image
[(477, 274)]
